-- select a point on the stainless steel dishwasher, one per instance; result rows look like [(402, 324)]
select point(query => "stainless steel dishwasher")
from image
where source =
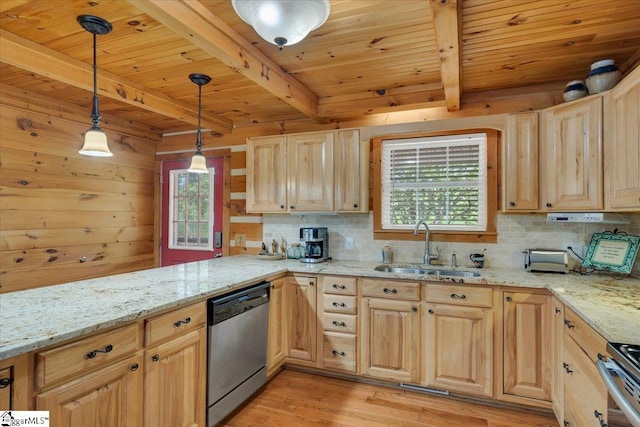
[(238, 325)]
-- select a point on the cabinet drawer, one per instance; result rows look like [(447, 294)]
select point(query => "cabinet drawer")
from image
[(87, 354), (339, 322), (339, 285), (339, 304), (176, 322), (583, 382), (462, 295), (584, 335), (391, 289), (339, 351)]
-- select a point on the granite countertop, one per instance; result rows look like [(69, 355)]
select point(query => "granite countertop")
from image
[(37, 318)]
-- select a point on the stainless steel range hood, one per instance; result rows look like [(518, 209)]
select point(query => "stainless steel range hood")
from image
[(587, 217)]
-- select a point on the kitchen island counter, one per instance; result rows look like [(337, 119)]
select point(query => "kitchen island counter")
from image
[(41, 317)]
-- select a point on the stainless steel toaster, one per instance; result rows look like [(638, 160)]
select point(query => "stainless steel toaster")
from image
[(548, 260)]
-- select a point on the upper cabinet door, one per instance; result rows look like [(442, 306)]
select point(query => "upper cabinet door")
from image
[(622, 145), (351, 172), (267, 174), (310, 172), (521, 163), (572, 169)]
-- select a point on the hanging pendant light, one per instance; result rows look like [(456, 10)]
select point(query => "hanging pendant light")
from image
[(198, 162), (283, 22), (95, 140)]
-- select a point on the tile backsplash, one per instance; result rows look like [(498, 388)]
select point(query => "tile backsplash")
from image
[(515, 234)]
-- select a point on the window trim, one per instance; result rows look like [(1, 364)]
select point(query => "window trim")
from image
[(488, 236)]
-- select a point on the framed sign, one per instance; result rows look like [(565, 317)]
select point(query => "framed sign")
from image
[(611, 252)]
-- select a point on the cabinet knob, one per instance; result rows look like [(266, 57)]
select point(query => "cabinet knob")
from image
[(431, 311), (508, 299), (566, 423), (566, 368), (134, 367), (512, 203), (292, 207), (5, 382), (94, 353), (598, 416), (310, 282), (558, 311), (568, 324), (355, 205), (549, 205), (281, 206), (155, 358), (414, 309)]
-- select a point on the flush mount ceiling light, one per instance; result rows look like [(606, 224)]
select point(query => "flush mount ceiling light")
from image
[(95, 140), (282, 22), (198, 162)]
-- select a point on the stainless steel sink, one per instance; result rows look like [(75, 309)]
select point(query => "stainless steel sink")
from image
[(426, 270)]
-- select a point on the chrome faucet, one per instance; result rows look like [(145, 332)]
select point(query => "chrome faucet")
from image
[(427, 258)]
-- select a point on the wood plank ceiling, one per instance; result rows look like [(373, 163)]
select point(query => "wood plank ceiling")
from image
[(370, 57)]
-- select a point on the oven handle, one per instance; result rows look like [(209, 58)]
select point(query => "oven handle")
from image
[(605, 368)]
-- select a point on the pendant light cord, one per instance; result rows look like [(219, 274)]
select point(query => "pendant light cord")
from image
[(199, 134), (95, 112)]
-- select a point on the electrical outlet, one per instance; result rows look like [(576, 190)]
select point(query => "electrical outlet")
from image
[(241, 240), (348, 243)]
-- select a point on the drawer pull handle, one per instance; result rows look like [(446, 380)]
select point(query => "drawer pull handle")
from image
[(341, 324), (390, 291), (598, 415), (341, 287), (94, 353), (134, 367), (182, 322), (5, 382), (566, 368), (155, 358), (568, 324), (338, 353), (454, 296), (339, 304), (558, 311)]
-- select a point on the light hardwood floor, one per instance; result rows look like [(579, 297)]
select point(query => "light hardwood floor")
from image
[(299, 399)]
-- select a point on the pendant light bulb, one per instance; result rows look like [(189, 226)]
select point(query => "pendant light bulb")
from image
[(95, 140), (198, 161)]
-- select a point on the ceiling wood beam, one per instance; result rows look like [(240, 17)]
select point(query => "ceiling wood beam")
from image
[(382, 101), (446, 21), (193, 21), (38, 59)]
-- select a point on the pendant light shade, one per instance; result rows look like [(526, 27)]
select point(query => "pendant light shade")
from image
[(283, 22), (95, 140), (198, 161)]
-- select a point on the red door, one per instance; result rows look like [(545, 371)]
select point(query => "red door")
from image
[(191, 212)]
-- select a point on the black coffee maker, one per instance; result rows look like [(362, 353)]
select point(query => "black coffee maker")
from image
[(315, 244)]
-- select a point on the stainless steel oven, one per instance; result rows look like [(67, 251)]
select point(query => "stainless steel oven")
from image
[(621, 374)]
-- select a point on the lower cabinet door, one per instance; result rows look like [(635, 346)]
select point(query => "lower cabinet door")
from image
[(276, 346), (175, 382), (109, 397), (391, 339), (459, 348)]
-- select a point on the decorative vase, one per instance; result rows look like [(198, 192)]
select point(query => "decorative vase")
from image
[(575, 89), (603, 76)]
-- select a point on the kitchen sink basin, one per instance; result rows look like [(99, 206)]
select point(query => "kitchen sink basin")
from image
[(426, 270)]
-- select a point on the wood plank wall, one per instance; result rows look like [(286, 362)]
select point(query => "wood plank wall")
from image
[(58, 208)]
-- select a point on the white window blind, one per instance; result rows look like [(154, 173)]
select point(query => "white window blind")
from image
[(441, 180)]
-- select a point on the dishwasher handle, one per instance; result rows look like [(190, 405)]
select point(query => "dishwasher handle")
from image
[(607, 369)]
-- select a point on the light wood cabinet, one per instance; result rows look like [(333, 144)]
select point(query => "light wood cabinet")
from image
[(557, 370), (622, 145), (300, 303), (390, 339), (351, 172), (267, 174), (527, 352), (276, 343), (111, 396), (14, 383), (571, 156), (458, 339), (175, 375), (310, 172), (521, 182)]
